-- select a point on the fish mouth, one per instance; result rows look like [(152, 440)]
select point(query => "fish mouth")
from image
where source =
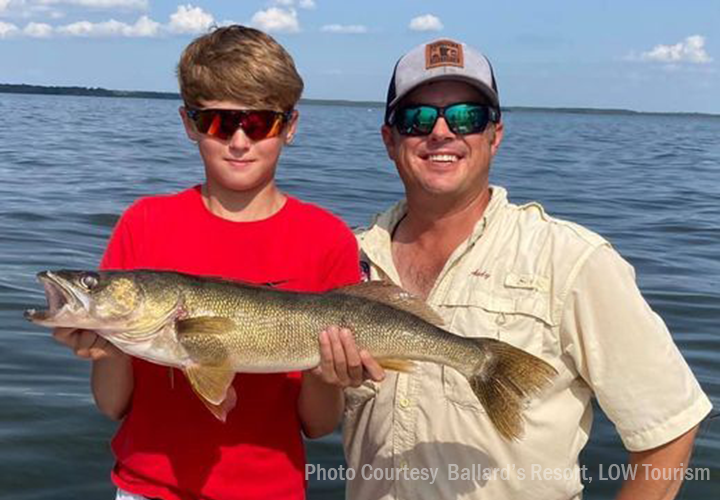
[(63, 300)]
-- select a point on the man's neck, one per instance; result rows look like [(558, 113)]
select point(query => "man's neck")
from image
[(451, 221), (430, 232), (242, 206)]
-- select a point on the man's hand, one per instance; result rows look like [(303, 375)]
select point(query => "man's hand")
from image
[(86, 344), (342, 364)]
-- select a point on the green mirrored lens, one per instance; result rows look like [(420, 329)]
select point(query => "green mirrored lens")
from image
[(417, 119), (466, 118), (461, 118)]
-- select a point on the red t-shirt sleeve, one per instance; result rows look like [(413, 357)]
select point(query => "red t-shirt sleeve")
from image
[(122, 252), (343, 261)]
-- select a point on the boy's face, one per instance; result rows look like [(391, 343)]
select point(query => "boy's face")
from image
[(239, 163)]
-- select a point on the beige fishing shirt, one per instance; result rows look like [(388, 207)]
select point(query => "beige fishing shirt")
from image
[(557, 291)]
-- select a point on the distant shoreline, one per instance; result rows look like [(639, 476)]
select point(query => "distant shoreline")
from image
[(6, 88)]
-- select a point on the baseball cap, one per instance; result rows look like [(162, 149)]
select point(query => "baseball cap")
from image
[(442, 59)]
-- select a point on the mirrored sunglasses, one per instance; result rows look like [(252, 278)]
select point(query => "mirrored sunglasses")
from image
[(222, 123), (462, 118)]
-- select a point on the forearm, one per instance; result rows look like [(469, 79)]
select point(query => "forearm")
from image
[(112, 385), (320, 406), (669, 459)]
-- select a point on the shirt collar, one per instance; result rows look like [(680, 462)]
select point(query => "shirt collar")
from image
[(376, 241)]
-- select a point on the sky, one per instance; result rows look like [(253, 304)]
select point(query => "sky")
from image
[(644, 55)]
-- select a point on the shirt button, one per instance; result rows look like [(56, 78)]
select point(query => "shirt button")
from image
[(404, 403), (501, 319)]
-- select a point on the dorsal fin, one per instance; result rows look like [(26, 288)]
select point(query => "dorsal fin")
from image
[(394, 296)]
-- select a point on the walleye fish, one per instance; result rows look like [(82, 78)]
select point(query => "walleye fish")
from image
[(211, 329)]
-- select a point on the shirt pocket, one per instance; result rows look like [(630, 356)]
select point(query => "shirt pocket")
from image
[(514, 312)]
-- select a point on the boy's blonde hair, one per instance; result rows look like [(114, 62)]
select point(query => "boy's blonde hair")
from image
[(240, 64)]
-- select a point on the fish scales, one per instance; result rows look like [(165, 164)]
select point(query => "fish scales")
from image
[(212, 329)]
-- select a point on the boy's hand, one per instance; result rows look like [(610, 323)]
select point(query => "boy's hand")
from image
[(341, 363), (86, 344)]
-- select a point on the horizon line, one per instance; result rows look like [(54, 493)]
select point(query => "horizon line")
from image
[(31, 89)]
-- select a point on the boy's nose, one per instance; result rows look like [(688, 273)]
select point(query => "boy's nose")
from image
[(239, 140)]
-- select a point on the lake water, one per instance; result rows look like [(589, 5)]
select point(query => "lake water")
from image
[(70, 165)]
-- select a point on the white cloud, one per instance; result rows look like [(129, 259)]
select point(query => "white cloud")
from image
[(7, 29), (187, 19), (427, 22), (38, 30), (344, 29), (303, 4), (276, 20), (27, 8), (100, 4), (190, 20), (144, 27), (690, 50)]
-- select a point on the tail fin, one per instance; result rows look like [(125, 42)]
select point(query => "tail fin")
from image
[(502, 382)]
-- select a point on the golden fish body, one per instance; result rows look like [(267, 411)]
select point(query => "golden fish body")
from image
[(213, 328)]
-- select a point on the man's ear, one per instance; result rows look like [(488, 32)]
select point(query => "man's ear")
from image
[(188, 124), (389, 140), (291, 127), (497, 138)]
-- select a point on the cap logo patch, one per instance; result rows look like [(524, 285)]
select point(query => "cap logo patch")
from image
[(443, 53)]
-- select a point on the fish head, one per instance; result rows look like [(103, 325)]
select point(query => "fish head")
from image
[(104, 301)]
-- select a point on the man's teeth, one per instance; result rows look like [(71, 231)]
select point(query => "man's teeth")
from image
[(443, 158)]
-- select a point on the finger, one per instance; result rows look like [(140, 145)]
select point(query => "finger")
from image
[(326, 359), (101, 349), (338, 357), (85, 340), (354, 362), (65, 336), (374, 370)]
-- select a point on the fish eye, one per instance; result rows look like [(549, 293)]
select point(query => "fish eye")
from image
[(89, 281)]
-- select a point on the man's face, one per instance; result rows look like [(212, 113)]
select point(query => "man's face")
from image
[(443, 164), (238, 163)]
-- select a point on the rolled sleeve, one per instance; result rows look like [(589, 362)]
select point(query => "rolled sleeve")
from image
[(625, 353)]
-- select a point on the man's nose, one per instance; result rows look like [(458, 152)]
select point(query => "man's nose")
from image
[(441, 130)]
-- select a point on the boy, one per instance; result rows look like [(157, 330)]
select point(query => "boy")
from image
[(239, 88)]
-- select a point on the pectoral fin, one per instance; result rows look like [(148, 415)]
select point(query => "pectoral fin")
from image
[(202, 338), (204, 325), (221, 411), (213, 385)]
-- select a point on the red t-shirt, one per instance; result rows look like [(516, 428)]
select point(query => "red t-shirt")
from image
[(169, 445)]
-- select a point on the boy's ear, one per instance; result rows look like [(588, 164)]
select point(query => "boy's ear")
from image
[(291, 127), (189, 126)]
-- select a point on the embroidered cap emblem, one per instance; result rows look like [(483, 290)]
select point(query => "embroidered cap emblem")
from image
[(444, 53)]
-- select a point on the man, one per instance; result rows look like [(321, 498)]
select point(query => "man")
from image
[(492, 268)]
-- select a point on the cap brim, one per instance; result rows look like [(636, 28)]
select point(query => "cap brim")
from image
[(486, 91)]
